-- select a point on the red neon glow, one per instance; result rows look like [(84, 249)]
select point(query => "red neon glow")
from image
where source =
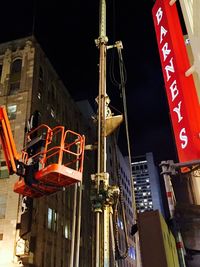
[(181, 91)]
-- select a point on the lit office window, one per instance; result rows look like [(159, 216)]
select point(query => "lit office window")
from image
[(52, 219), (131, 253), (12, 111), (52, 112), (55, 221), (39, 95), (67, 233), (49, 218)]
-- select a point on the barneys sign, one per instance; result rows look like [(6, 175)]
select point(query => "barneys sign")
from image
[(181, 91)]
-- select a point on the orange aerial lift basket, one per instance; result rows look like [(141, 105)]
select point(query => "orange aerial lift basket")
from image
[(53, 159)]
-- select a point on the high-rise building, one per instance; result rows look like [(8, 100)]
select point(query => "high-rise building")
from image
[(39, 232), (146, 184), (120, 174)]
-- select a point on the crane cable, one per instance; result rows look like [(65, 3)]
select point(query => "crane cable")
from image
[(122, 87), (120, 254), (113, 79)]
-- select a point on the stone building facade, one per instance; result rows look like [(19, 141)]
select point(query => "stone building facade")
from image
[(38, 232)]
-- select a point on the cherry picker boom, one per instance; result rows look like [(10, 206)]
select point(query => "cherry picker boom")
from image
[(51, 159)]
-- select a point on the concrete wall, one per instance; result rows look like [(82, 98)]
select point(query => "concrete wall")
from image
[(158, 247)]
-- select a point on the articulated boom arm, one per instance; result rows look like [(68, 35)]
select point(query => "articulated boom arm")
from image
[(51, 159), (7, 142)]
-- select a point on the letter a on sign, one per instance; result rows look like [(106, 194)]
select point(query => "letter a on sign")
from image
[(181, 92)]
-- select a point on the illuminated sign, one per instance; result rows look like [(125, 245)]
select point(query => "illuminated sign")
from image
[(181, 92)]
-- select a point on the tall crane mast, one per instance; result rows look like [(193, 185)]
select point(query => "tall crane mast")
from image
[(105, 193), (102, 216)]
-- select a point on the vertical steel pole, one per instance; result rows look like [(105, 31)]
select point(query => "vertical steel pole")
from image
[(78, 225), (75, 256), (73, 227), (171, 204), (102, 233), (169, 190)]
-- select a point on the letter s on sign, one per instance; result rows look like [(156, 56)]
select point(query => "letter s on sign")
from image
[(184, 138)]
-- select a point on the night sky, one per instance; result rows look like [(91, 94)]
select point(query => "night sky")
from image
[(66, 31)]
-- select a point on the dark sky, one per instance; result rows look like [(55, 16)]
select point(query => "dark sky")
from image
[(66, 30)]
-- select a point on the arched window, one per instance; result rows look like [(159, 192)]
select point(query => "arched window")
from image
[(15, 76), (16, 66)]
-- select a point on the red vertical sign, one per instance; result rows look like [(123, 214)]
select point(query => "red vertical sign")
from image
[(181, 91)]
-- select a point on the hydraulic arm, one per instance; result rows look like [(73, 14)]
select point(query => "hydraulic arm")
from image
[(7, 142)]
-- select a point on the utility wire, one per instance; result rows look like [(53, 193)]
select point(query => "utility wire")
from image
[(122, 85), (120, 254)]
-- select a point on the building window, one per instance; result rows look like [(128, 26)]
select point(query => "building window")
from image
[(131, 253), (3, 166), (4, 174), (16, 66), (15, 76), (67, 233), (39, 95), (49, 218), (14, 87), (120, 224), (12, 111), (52, 220), (1, 236), (53, 112), (40, 83), (3, 198), (55, 221), (41, 75)]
